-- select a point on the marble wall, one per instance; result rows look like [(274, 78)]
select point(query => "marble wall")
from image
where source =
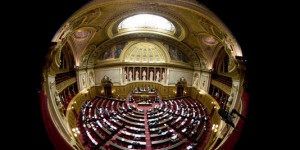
[(175, 74), (196, 79), (91, 78), (172, 76), (82, 79), (114, 73), (205, 81)]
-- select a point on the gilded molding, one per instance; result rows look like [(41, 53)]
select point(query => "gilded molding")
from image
[(61, 86), (222, 86)]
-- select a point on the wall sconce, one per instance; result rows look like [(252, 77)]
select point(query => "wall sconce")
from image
[(215, 127), (76, 67), (75, 131)]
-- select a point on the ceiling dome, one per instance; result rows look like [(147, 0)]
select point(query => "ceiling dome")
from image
[(145, 52)]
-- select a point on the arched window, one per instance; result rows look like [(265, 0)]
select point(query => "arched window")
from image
[(146, 21)]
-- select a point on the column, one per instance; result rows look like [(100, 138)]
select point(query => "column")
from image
[(163, 76), (154, 73), (167, 75), (147, 73), (151, 77), (141, 74), (159, 77)]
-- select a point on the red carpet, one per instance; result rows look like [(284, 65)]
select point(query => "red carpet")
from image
[(147, 133)]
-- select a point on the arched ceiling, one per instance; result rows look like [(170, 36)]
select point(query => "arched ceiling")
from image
[(144, 52), (200, 35)]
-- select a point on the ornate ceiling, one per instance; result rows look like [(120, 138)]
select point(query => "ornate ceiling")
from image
[(199, 34)]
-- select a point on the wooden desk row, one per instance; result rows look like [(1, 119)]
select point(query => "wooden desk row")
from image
[(129, 141)]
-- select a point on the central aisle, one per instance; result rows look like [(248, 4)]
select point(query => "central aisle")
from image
[(147, 132)]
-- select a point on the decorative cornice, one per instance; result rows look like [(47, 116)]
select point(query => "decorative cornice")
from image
[(127, 64)]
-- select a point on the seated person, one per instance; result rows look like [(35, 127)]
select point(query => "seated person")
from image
[(205, 118), (184, 130), (152, 124), (131, 99), (137, 131), (159, 132), (193, 132), (129, 109), (175, 136), (174, 140), (135, 144), (169, 133), (87, 119), (192, 146), (113, 112), (137, 138), (226, 117), (129, 146), (189, 127)]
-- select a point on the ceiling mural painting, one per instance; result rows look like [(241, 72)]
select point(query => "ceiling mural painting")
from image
[(113, 52), (176, 54), (183, 50)]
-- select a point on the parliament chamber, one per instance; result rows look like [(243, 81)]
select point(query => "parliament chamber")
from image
[(148, 75)]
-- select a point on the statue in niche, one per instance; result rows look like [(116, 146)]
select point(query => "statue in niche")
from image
[(230, 98), (124, 75), (151, 75), (67, 28), (83, 81), (57, 99), (163, 77), (58, 102), (130, 75), (195, 83), (137, 75), (91, 77), (52, 84), (157, 76), (144, 75)]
